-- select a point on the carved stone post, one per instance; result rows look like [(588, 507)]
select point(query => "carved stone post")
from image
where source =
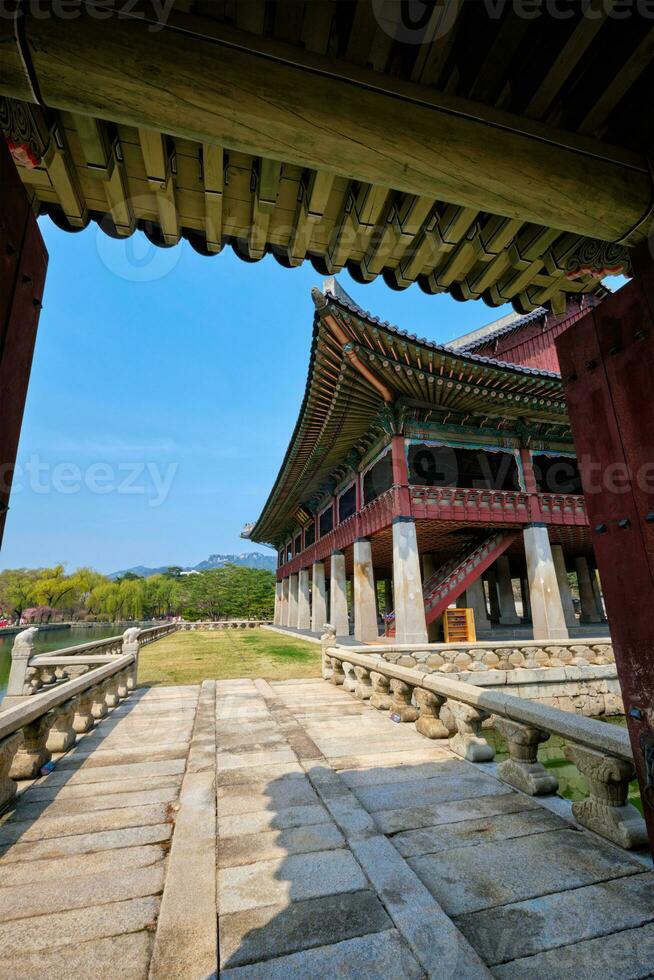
[(8, 748), (350, 680), (32, 754), (111, 692), (401, 708), (131, 645), (338, 674), (380, 697), (606, 810), (522, 769), (131, 676), (429, 723), (363, 686), (121, 684), (83, 717), (468, 741), (327, 640), (21, 652), (62, 733), (99, 705)]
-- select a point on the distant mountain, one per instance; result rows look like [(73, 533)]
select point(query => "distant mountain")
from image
[(252, 559)]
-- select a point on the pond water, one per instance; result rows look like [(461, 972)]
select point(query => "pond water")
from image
[(48, 640), (572, 785)]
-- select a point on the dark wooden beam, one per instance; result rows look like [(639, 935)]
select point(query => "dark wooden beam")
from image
[(225, 87)]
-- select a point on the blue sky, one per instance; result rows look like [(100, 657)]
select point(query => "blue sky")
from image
[(164, 390)]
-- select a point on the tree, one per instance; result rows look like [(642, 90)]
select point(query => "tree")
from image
[(17, 590)]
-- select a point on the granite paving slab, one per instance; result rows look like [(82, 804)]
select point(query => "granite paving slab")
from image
[(85, 823), (238, 824), (95, 862), (85, 843), (273, 844), (414, 817), (124, 956)]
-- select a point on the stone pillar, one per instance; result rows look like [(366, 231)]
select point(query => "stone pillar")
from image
[(62, 734), (428, 567), (318, 597), (474, 598), (303, 601), (8, 748), (338, 595), (491, 578), (292, 600), (589, 612), (277, 618), (283, 621), (410, 622), (606, 809), (508, 613), (32, 754), (564, 586), (365, 605), (546, 608), (526, 601), (522, 769), (83, 717), (21, 653)]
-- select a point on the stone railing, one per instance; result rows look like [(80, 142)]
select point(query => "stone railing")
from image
[(153, 633), (442, 707), (226, 624), (34, 726)]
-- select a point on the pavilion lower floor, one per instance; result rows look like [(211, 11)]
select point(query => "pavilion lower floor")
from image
[(543, 584)]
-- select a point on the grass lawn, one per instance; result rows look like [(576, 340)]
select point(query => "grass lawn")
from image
[(188, 658)]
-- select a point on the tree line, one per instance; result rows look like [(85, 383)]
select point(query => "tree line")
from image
[(45, 595)]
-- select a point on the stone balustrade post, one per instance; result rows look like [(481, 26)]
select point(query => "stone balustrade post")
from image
[(21, 653), (606, 810), (363, 686), (99, 707), (121, 684), (62, 734), (46, 675), (327, 641), (33, 754), (131, 672), (338, 674), (111, 692), (429, 723), (83, 717), (468, 741), (8, 748), (350, 680), (522, 769), (131, 644), (380, 697), (401, 707)]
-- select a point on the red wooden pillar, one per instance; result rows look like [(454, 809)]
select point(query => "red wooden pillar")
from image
[(607, 363), (400, 477), (23, 262)]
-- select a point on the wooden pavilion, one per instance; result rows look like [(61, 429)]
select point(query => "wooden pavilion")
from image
[(496, 151)]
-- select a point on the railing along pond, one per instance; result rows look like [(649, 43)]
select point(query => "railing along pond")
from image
[(52, 698), (442, 708)]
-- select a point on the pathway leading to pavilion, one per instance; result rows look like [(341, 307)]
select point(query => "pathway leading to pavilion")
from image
[(352, 846), (83, 851)]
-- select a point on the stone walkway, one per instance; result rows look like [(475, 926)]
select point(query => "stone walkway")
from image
[(83, 852), (289, 830)]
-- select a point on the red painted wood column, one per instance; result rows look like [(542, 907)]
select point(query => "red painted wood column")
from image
[(607, 363), (400, 477), (23, 263)]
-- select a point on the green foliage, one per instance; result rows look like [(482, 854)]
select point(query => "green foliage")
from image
[(231, 592)]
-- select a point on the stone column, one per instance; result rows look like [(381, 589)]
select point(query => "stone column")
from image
[(589, 612), (277, 618), (283, 616), (388, 596), (303, 601), (338, 595), (318, 597), (474, 598), (564, 586), (365, 605), (292, 600), (491, 578), (546, 608), (428, 567), (526, 601), (508, 613), (410, 622)]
